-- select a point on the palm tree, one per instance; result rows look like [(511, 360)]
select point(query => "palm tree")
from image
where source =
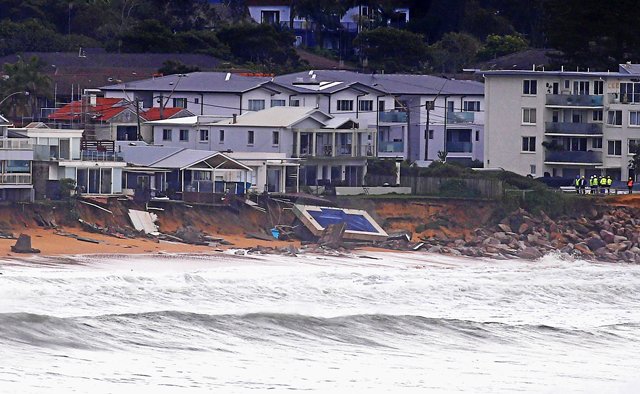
[(24, 76)]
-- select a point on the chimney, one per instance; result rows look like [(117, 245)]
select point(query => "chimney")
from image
[(235, 119)]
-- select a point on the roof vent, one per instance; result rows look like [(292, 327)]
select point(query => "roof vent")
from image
[(227, 77)]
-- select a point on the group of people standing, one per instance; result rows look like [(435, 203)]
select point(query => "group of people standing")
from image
[(598, 184)]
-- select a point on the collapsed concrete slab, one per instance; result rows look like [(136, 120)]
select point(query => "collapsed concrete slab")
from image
[(359, 225)]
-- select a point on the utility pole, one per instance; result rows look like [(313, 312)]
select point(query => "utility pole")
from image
[(138, 118), (429, 105)]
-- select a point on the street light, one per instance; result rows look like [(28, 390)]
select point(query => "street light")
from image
[(13, 94)]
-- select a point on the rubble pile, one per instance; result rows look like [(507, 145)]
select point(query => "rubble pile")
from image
[(612, 235)]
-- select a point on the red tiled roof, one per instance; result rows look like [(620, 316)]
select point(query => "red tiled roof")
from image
[(105, 109), (154, 113)]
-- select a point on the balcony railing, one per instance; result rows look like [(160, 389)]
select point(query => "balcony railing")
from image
[(573, 128), (15, 179), (341, 150), (391, 146), (459, 147), (92, 155), (627, 98), (573, 157), (393, 117), (460, 117), (574, 100), (15, 144)]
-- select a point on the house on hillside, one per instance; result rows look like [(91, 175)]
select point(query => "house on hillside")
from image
[(330, 150), (16, 159)]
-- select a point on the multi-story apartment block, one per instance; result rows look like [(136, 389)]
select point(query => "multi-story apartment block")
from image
[(563, 124), (417, 117), (16, 158)]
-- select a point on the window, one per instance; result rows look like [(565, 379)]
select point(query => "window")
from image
[(450, 106), (528, 115), (270, 17), (345, 105), (430, 134), (204, 135), (256, 105), (532, 169), (166, 134), (278, 103), (567, 84), (598, 88), (221, 136), (180, 102), (581, 87), (380, 106), (634, 144), (634, 118), (528, 144), (430, 105), (477, 135), (630, 92), (184, 135), (614, 147), (614, 118), (530, 86), (471, 106), (365, 105), (275, 138), (250, 137), (596, 143), (294, 102), (196, 100), (597, 115)]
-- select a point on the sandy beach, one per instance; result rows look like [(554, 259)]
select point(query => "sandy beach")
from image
[(52, 244)]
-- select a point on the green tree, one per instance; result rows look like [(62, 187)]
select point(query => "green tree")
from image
[(453, 52), (496, 45), (24, 76), (325, 15), (392, 50), (176, 67)]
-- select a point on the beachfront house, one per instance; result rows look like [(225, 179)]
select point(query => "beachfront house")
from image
[(418, 118), (563, 123), (62, 153), (198, 176), (16, 158), (327, 149)]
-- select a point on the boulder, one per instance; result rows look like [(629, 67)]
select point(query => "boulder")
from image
[(607, 236), (529, 254), (595, 243), (523, 229), (619, 238), (583, 248), (23, 245), (581, 228), (504, 227)]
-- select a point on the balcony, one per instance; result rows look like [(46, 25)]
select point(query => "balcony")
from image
[(574, 100), (460, 117), (390, 146), (393, 117), (627, 98), (341, 150), (15, 179), (16, 144), (94, 155), (573, 157), (568, 128), (459, 147)]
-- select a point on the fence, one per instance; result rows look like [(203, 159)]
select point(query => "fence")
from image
[(450, 187)]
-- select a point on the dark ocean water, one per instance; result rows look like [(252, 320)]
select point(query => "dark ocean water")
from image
[(397, 323)]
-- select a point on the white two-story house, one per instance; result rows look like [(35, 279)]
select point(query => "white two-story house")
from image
[(284, 146)]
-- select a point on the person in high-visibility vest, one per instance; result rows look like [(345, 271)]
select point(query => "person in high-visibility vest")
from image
[(609, 183), (593, 183), (576, 183), (630, 185), (583, 184), (603, 183)]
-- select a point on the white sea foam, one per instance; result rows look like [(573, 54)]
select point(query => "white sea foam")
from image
[(397, 322)]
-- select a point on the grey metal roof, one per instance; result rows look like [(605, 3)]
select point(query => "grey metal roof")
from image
[(176, 158), (573, 74), (210, 82), (276, 117), (629, 68), (396, 84)]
